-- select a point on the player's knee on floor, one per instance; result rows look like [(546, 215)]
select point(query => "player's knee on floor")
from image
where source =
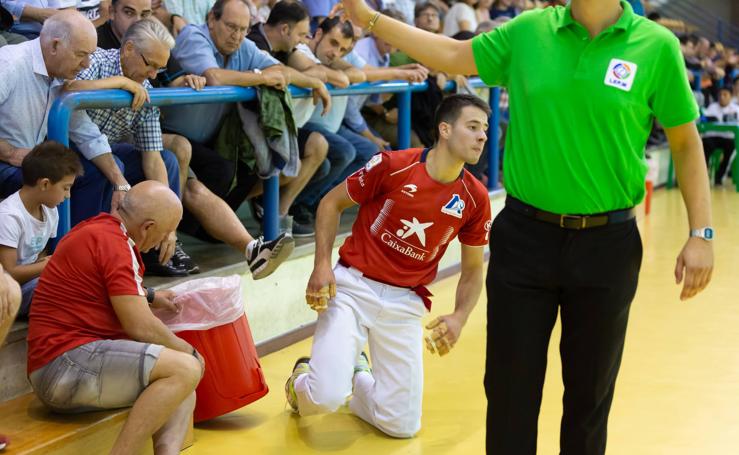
[(401, 428), (328, 397)]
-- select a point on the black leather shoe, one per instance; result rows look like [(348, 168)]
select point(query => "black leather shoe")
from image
[(153, 267), (182, 260)]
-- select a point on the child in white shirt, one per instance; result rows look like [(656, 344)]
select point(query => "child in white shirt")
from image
[(29, 218)]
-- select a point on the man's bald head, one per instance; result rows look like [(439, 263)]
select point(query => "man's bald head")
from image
[(150, 212), (67, 40)]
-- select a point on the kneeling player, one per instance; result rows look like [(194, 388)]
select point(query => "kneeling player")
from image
[(412, 204)]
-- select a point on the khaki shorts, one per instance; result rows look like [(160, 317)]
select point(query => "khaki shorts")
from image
[(104, 374)]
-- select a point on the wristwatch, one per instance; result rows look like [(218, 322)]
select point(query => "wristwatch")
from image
[(124, 188), (150, 294), (705, 233)]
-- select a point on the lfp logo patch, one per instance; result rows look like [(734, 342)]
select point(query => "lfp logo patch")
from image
[(620, 74), (454, 207)]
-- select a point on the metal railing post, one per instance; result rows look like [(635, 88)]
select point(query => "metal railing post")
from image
[(271, 224), (404, 119), (494, 138), (58, 130)]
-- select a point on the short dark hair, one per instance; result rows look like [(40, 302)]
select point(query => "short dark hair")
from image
[(328, 24), (219, 6), (287, 12), (393, 13), (50, 160), (450, 108), (421, 7)]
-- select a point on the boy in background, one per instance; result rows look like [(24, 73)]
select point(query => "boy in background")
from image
[(29, 218)]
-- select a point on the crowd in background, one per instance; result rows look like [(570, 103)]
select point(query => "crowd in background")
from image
[(214, 157)]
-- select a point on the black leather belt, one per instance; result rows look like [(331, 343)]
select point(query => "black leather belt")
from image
[(576, 222)]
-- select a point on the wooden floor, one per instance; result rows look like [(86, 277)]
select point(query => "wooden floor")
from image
[(678, 391)]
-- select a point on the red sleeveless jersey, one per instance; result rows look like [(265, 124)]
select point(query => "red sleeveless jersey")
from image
[(407, 219)]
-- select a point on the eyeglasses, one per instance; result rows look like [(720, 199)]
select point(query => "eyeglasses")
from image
[(146, 62), (235, 29)]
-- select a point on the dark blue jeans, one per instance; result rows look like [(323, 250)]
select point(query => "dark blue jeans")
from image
[(365, 149), (132, 165), (347, 152), (340, 154)]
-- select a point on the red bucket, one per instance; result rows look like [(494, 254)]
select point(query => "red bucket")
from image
[(233, 376)]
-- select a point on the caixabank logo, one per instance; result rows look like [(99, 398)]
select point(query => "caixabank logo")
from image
[(411, 231)]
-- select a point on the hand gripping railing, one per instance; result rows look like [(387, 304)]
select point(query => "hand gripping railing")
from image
[(61, 112)]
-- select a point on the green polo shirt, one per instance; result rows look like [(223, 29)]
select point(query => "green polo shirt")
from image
[(581, 109)]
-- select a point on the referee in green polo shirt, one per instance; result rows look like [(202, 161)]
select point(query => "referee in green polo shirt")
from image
[(585, 84)]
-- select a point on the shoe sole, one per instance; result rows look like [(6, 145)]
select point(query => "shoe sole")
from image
[(303, 236), (281, 252)]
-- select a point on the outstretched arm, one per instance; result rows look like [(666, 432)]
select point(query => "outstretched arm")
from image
[(432, 50)]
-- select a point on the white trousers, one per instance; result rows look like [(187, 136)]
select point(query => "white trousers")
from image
[(389, 318)]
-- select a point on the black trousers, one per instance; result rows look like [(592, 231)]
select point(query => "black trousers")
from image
[(217, 173), (710, 145), (537, 270)]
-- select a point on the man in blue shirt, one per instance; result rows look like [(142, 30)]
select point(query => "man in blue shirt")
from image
[(218, 51)]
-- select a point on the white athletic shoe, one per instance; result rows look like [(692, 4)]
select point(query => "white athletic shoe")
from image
[(264, 257)]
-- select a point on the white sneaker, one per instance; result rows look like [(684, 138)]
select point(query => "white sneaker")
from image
[(264, 257)]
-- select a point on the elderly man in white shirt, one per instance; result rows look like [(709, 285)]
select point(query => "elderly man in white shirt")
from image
[(32, 75)]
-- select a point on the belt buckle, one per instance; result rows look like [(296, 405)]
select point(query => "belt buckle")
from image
[(583, 220)]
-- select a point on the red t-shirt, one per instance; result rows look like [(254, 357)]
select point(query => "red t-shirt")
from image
[(407, 219), (71, 304)]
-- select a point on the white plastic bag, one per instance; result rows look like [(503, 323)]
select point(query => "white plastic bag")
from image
[(206, 303)]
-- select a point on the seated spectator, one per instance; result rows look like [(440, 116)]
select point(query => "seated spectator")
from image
[(286, 27), (123, 14), (145, 50), (206, 216), (177, 14), (366, 114), (461, 16), (318, 10), (404, 8), (724, 111), (282, 40), (32, 75), (6, 22), (482, 11), (193, 12), (503, 8), (217, 50), (10, 300), (29, 15), (93, 342), (29, 218), (330, 48), (95, 10)]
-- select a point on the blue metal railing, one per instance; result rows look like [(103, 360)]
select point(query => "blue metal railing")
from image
[(61, 113)]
